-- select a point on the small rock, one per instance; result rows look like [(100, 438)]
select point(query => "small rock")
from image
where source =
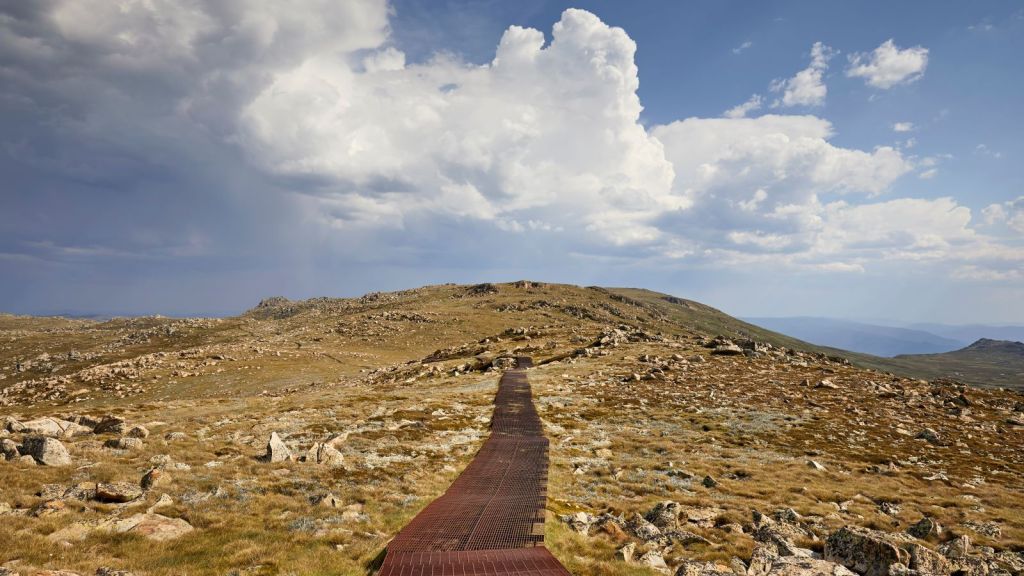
[(138, 432), (46, 451), (328, 501), (653, 560), (163, 500), (151, 526), (154, 478), (277, 451), (727, 349), (104, 571), (642, 529), (118, 492), (124, 444), (930, 435), (626, 552), (800, 566), (816, 465), (709, 482), (580, 522), (925, 528), (664, 515), (956, 548), (326, 455), (9, 450), (695, 568), (111, 425)]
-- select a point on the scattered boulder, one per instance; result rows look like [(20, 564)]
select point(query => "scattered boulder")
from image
[(930, 435), (654, 561), (117, 492), (580, 522), (695, 568), (956, 548), (642, 529), (701, 517), (876, 553), (816, 465), (54, 428), (626, 552), (12, 424), (326, 455), (152, 526), (46, 451), (277, 451), (328, 501), (104, 571), (154, 478), (925, 528), (124, 444), (800, 566), (727, 349), (664, 515), (111, 425), (137, 432), (9, 450)]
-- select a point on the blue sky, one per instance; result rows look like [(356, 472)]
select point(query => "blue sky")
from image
[(193, 157)]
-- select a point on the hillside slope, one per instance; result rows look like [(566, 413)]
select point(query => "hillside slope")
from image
[(984, 363), (300, 436)]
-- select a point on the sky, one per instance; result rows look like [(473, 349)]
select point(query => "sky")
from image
[(856, 160)]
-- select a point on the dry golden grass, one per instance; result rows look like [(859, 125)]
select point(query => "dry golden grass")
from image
[(316, 369)]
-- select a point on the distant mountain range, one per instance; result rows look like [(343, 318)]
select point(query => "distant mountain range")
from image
[(975, 354), (886, 341)]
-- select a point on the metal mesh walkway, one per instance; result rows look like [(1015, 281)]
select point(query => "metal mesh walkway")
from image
[(490, 521)]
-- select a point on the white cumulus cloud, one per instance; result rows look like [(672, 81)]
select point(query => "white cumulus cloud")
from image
[(807, 87), (1010, 213), (889, 65), (742, 110)]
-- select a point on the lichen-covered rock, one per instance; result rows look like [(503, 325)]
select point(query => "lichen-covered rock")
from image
[(867, 552), (46, 451), (118, 492), (695, 568), (138, 432), (664, 515), (925, 528), (642, 529), (9, 450), (876, 553), (580, 522), (799, 566), (654, 561), (124, 443)]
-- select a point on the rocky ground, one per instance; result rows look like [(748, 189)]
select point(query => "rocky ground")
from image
[(299, 437)]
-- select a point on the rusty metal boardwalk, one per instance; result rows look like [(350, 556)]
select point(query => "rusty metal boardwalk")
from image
[(490, 522)]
